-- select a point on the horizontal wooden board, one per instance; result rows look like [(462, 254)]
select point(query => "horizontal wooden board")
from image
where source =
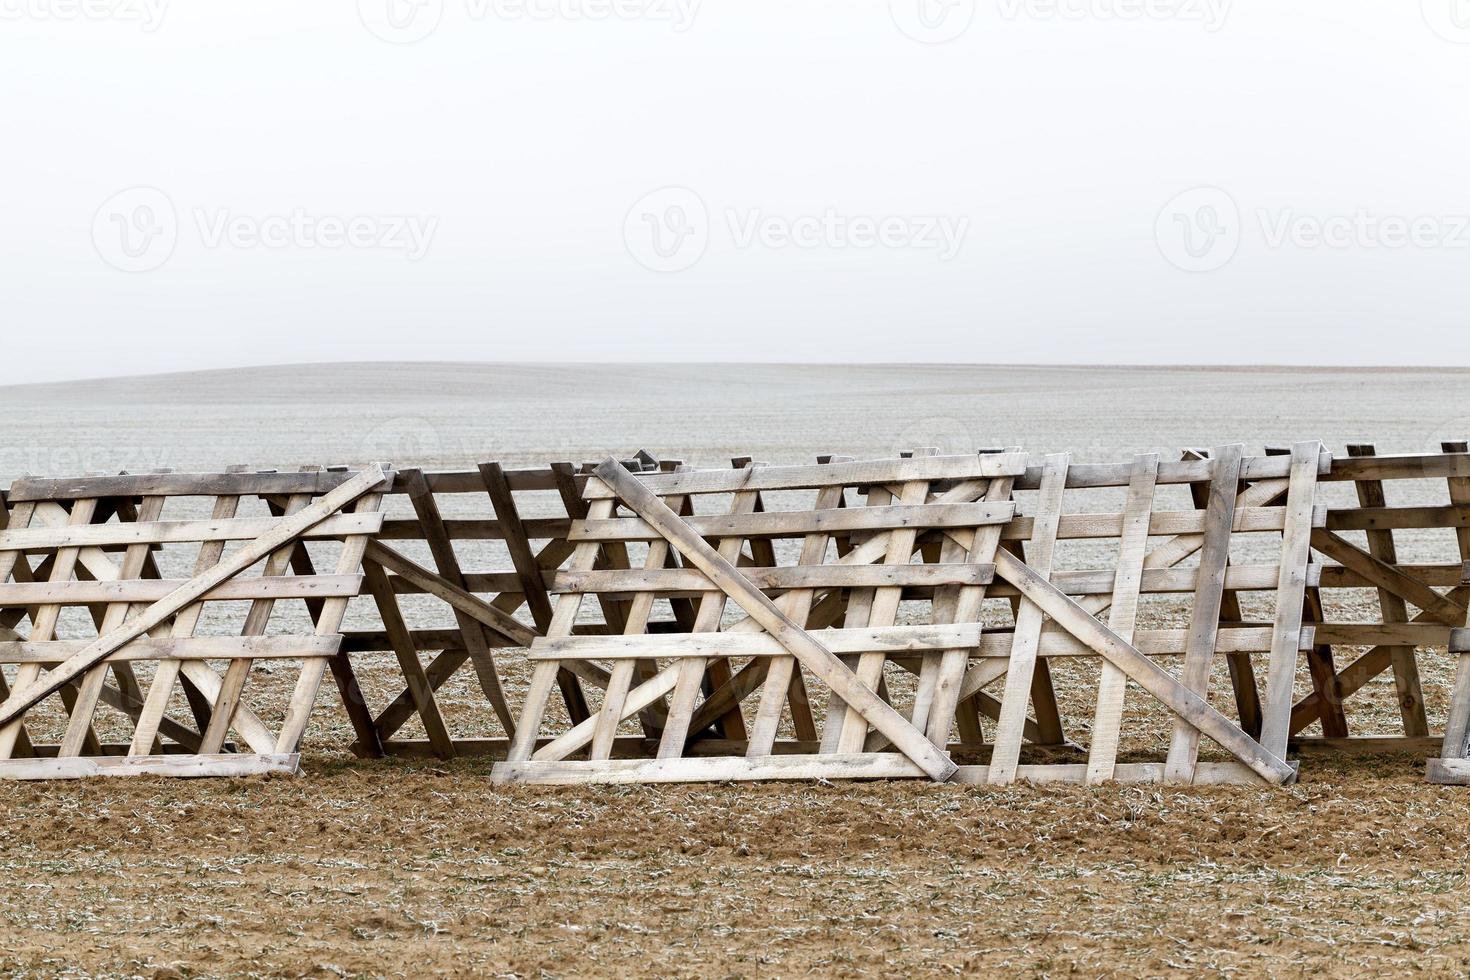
[(470, 529), (896, 639), (893, 640), (1409, 466), (1093, 475), (1161, 522), (1384, 634), (852, 766), (795, 524), (76, 593), (860, 473), (1238, 578), (1205, 774), (1333, 576), (184, 648), (179, 485), (219, 764), (166, 532), (1388, 518), (783, 577), (717, 769)]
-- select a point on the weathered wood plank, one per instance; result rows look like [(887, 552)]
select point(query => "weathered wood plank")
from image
[(185, 766)]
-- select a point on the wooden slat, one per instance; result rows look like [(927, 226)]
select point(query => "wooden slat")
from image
[(796, 524), (859, 473), (1122, 618), (948, 669), (176, 648), (225, 764), (1010, 729), (1290, 597), (897, 641), (180, 485), (1457, 723), (1209, 595), (1408, 466), (779, 577), (132, 590), (1092, 475), (174, 532)]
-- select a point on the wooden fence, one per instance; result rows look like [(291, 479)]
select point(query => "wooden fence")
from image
[(984, 618)]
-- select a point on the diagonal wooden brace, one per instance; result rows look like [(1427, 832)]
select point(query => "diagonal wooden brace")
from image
[(1148, 675), (801, 644)]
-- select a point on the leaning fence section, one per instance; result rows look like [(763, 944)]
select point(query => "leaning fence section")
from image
[(148, 603)]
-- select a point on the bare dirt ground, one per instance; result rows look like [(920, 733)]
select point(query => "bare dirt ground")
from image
[(369, 869), (406, 868)]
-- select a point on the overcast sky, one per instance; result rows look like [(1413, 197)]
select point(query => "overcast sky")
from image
[(213, 184)]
